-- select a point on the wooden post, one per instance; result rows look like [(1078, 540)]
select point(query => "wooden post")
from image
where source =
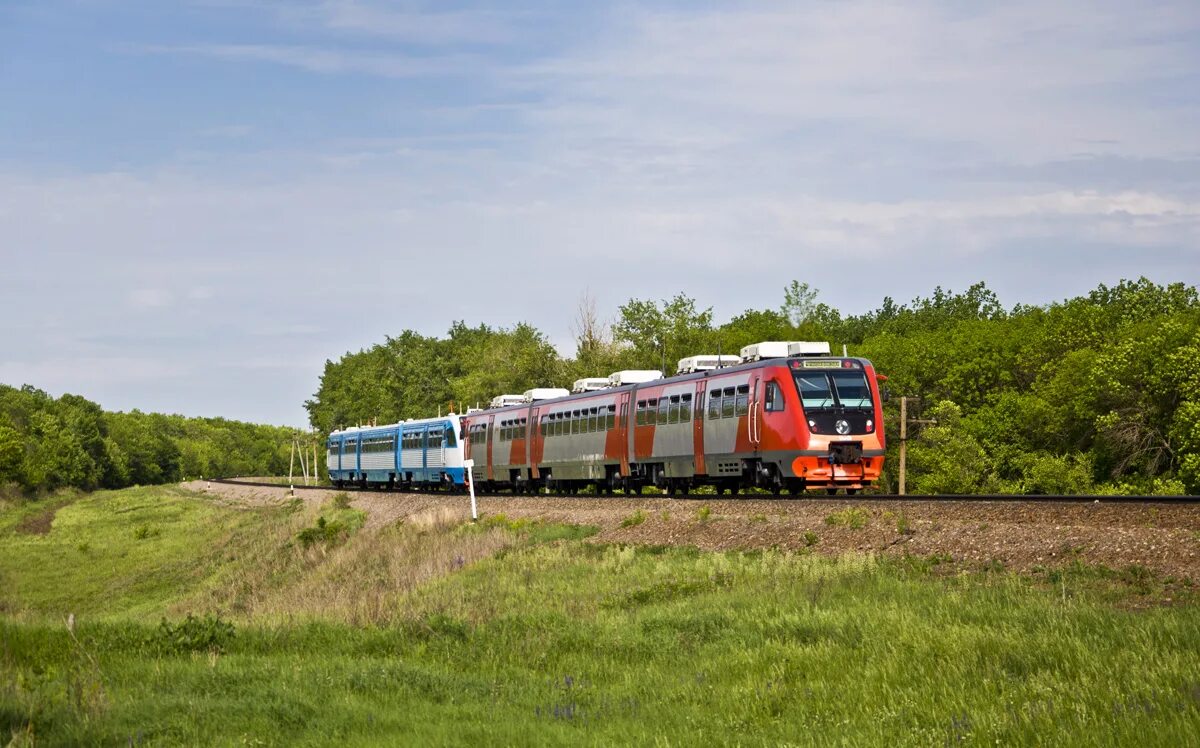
[(292, 467), (903, 439), (316, 473)]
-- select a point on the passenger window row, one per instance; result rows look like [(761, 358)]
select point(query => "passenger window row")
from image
[(730, 402), (377, 445), (662, 410), (513, 428), (582, 421)]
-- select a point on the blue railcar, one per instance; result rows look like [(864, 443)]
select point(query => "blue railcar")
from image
[(418, 453)]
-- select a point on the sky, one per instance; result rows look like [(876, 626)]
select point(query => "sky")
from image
[(201, 202)]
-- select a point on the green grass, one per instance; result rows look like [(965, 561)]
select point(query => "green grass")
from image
[(549, 639)]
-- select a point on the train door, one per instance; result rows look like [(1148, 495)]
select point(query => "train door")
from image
[(698, 428), (623, 430), (491, 420), (533, 442), (754, 422)]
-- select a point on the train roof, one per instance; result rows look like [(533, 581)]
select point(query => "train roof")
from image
[(666, 381), (384, 428)]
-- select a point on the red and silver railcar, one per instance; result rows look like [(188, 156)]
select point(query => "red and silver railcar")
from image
[(784, 424)]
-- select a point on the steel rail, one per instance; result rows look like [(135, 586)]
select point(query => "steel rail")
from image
[(813, 495)]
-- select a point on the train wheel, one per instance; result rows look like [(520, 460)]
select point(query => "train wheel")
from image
[(852, 491), (831, 491)]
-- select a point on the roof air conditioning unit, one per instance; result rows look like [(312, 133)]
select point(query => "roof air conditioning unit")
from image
[(768, 349), (802, 348), (503, 401), (693, 364), (589, 384), (544, 393), (633, 376)]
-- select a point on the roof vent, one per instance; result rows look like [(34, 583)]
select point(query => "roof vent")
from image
[(544, 393), (589, 384), (693, 364), (503, 401), (801, 348), (783, 349), (633, 376)]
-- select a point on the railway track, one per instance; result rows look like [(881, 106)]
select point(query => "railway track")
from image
[(1038, 498)]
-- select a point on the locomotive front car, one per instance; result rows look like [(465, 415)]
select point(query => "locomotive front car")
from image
[(425, 453), (821, 423)]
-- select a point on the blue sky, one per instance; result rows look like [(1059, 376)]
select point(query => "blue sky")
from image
[(202, 201)]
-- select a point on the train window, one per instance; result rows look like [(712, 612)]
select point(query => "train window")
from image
[(773, 397), (611, 418), (641, 413), (743, 400), (685, 408), (449, 436), (592, 420), (663, 405), (673, 410), (727, 403), (714, 404)]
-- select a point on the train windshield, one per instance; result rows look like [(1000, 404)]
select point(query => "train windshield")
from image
[(844, 389)]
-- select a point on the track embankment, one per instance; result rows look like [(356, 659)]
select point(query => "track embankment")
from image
[(1019, 535)]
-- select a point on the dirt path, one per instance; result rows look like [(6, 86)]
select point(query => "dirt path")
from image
[(1020, 535)]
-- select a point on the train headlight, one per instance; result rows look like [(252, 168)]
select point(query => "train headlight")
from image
[(812, 426), (870, 425), (842, 427)]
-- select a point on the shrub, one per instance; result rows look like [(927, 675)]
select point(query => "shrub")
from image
[(810, 538), (192, 634), (325, 532), (341, 501), (703, 513)]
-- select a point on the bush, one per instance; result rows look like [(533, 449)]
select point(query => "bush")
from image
[(192, 634), (703, 513), (325, 532)]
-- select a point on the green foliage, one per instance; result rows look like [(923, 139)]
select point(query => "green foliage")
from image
[(192, 634), (48, 443), (704, 513)]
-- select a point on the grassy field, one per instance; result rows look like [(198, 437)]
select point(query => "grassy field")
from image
[(310, 630)]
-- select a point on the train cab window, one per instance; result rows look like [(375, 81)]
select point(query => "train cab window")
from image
[(448, 438), (673, 410), (714, 404), (743, 399), (685, 408), (773, 398), (611, 418), (727, 399)]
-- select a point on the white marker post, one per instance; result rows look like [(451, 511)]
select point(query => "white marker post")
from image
[(467, 465)]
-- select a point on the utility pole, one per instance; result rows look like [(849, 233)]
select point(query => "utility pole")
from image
[(904, 437), (903, 440)]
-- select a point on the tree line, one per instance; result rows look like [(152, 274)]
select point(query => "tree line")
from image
[(48, 443), (1098, 393)]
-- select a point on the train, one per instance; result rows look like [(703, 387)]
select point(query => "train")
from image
[(783, 416)]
